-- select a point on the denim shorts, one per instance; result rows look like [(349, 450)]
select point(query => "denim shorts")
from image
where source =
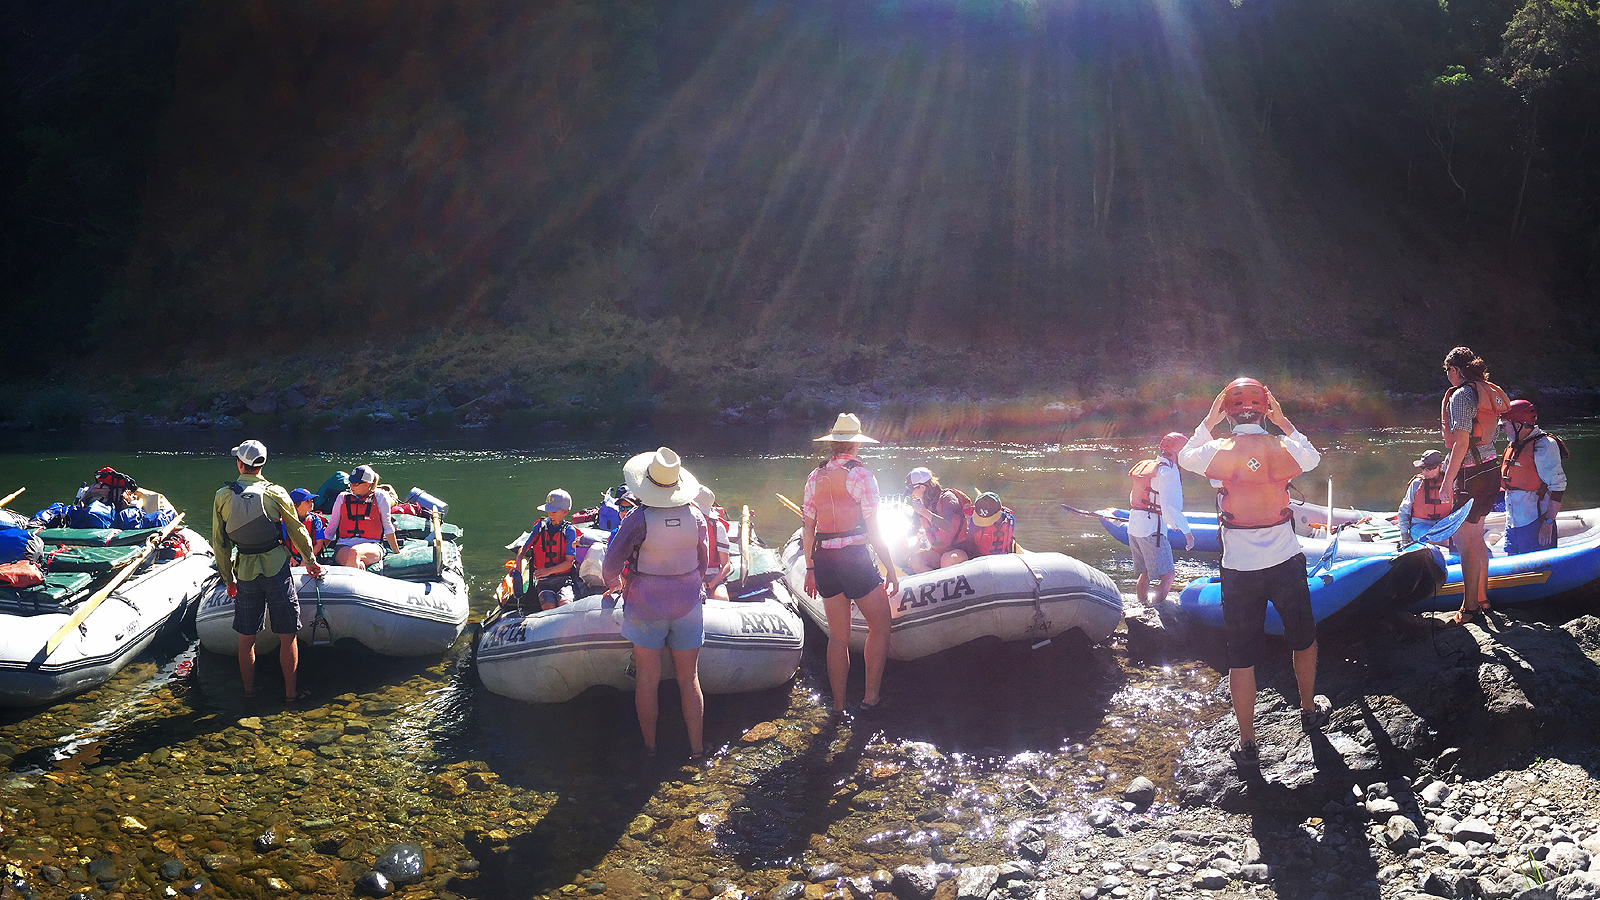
[(687, 632)]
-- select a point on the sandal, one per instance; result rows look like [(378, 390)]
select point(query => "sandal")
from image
[(867, 709), (1316, 718), (300, 696), (1464, 615), (1245, 754)]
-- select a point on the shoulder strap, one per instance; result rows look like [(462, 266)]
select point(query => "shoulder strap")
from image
[(1560, 445), (235, 486)]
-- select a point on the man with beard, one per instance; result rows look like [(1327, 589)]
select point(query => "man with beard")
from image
[(1261, 558)]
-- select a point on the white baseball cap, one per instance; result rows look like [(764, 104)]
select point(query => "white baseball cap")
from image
[(251, 453), (364, 475), (919, 475)]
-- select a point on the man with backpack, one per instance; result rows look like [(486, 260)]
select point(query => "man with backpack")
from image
[(256, 518), (1534, 479)]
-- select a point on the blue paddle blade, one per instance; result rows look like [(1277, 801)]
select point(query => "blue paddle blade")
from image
[(1442, 530)]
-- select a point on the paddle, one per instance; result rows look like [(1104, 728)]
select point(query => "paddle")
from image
[(792, 506), (438, 545), (1085, 512), (100, 595), (744, 547), (1446, 527), (11, 496)]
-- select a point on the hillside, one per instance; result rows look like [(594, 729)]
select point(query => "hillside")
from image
[(1330, 191)]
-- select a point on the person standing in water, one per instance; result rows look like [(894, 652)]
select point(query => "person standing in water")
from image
[(1155, 502), (839, 521), (1261, 558)]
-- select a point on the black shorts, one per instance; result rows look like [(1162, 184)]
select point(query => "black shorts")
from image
[(1245, 596), (1481, 483), (848, 570), (271, 594)]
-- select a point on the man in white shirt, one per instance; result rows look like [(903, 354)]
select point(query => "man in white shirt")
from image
[(1155, 502), (1261, 558)]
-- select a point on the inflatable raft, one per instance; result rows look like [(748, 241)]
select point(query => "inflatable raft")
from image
[(1012, 596), (414, 604), (753, 641), (155, 599), (1344, 589)]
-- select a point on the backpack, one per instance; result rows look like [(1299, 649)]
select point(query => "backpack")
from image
[(19, 544), (21, 574), (337, 483), (56, 515)]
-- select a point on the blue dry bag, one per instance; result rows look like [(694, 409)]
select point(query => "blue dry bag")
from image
[(95, 515)]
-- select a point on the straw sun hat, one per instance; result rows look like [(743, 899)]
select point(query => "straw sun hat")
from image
[(659, 479), (846, 429)]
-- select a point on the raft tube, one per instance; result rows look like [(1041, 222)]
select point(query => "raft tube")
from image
[(153, 601)]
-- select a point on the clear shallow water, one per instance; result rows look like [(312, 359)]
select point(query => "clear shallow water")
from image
[(516, 800)]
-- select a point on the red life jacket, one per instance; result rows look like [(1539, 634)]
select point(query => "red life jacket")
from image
[(1427, 502), (996, 538), (1518, 474), (1144, 495), (547, 546), (1492, 401), (715, 557), (1255, 470), (838, 513), (314, 522), (360, 518)]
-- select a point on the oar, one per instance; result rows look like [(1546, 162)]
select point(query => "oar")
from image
[(12, 496), (438, 545), (792, 506), (744, 547), (100, 595), (1085, 512)]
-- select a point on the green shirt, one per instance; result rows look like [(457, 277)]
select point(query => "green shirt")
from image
[(253, 565)]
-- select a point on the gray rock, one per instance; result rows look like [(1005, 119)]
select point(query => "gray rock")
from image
[(975, 882), (293, 399), (1435, 793), (1210, 880), (1259, 873), (268, 841), (1400, 834), (1252, 852), (1100, 819), (789, 890), (52, 875), (1564, 859), (1141, 792), (1034, 849), (400, 863), (1381, 808), (882, 879), (1448, 883), (1473, 830), (1016, 870), (913, 883), (264, 404), (103, 869), (824, 872), (219, 862), (374, 884), (1088, 893), (1577, 886), (172, 870)]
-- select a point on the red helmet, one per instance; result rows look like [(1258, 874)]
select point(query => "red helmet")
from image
[(1521, 412), (1172, 443), (1245, 395)]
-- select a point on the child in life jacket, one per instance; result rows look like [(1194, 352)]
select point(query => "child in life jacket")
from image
[(1427, 500), (549, 550), (719, 563), (316, 524), (991, 527)]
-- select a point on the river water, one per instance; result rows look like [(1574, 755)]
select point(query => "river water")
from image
[(166, 777)]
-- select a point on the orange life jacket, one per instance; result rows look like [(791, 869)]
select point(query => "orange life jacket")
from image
[(360, 518), (1519, 474), (838, 513), (1427, 502), (996, 538), (548, 546), (1492, 401), (1255, 470), (1144, 495)]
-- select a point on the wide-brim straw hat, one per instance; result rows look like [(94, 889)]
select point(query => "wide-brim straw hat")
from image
[(846, 430), (659, 479)]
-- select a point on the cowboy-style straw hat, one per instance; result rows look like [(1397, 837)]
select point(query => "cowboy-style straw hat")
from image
[(846, 429), (659, 479)]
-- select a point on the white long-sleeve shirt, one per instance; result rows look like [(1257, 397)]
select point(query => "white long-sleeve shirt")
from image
[(1523, 507), (1168, 486), (1250, 549)]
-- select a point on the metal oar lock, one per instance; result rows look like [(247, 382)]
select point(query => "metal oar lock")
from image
[(321, 631), (1039, 629)]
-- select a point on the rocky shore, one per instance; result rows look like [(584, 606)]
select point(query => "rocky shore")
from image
[(1460, 762)]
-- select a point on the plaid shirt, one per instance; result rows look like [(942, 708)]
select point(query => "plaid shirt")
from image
[(862, 486), (1463, 409)]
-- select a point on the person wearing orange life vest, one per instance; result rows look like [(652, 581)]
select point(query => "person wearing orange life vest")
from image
[(991, 527), (1467, 419), (1426, 501), (719, 561), (360, 522), (1261, 558), (1155, 503), (549, 549), (1534, 480), (941, 520), (839, 519)]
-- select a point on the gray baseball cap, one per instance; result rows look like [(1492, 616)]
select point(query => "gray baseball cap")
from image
[(1429, 460), (558, 499)]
